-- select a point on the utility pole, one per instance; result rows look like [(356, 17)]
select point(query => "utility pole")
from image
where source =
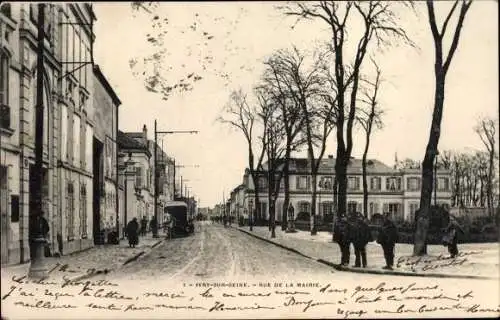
[(38, 268), (155, 230)]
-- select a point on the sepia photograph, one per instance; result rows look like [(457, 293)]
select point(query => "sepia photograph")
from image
[(249, 160)]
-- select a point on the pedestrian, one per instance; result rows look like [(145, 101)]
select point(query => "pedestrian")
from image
[(342, 237), (153, 225), (132, 233), (361, 237), (450, 238), (144, 225), (387, 237)]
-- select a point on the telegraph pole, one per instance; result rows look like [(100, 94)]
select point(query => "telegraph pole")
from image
[(155, 230), (38, 268)]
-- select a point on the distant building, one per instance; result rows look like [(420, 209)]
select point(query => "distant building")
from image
[(390, 190)]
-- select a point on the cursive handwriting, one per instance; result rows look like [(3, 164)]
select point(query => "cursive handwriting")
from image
[(219, 306), (291, 301)]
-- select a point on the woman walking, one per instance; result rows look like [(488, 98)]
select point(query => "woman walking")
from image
[(133, 233)]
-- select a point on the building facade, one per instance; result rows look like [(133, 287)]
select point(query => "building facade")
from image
[(68, 125), (396, 191), (106, 217)]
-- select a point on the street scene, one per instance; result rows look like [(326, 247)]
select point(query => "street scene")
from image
[(324, 159)]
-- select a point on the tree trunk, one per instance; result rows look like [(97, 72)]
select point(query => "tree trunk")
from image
[(256, 209), (489, 191), (286, 188), (420, 239), (341, 176), (313, 204), (365, 183)]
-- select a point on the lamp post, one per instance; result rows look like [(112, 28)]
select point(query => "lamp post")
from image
[(155, 230), (250, 213)]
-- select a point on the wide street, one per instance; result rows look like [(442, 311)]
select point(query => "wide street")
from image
[(214, 251)]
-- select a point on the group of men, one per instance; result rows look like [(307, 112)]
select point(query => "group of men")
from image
[(355, 229)]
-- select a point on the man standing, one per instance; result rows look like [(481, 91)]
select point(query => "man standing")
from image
[(361, 237), (144, 225), (450, 239), (341, 236), (387, 237)]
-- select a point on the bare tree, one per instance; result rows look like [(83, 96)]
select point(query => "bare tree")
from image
[(239, 114), (275, 80), (441, 67), (487, 132), (380, 25), (275, 148), (303, 84), (368, 120)]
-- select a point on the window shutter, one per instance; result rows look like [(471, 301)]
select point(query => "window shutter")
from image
[(399, 183), (387, 184), (357, 183), (308, 183), (359, 207), (385, 208), (371, 184), (375, 208), (297, 182)]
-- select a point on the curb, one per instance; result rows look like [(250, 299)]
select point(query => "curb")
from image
[(371, 271)]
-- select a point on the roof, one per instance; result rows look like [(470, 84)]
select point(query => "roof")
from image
[(126, 142), (328, 165), (100, 76)]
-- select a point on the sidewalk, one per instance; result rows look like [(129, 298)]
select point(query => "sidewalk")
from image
[(479, 260), (96, 260)]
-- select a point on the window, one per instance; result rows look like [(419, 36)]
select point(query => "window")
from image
[(394, 209), (325, 183), (393, 184), (352, 206), (413, 183), (76, 141), (375, 183), (302, 182), (326, 208), (138, 177), (413, 208), (353, 183), (4, 79), (373, 208), (305, 206), (262, 183), (83, 211), (48, 21), (70, 212), (443, 184)]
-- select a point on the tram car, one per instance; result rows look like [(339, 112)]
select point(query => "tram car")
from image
[(176, 216)]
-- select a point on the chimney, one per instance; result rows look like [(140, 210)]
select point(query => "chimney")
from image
[(145, 134)]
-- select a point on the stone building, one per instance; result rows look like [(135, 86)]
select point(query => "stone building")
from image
[(390, 190), (136, 174), (105, 206), (68, 125)]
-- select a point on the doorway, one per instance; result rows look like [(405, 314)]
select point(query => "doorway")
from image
[(97, 185)]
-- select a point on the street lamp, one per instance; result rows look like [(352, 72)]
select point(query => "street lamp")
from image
[(155, 229)]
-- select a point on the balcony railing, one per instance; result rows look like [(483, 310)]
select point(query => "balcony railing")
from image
[(4, 116)]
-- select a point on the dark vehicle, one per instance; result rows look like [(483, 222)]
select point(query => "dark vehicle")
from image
[(181, 223)]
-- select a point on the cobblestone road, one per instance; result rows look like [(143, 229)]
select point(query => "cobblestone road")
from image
[(214, 251)]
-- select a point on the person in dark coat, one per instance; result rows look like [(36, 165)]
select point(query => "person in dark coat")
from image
[(361, 237), (450, 238), (342, 237), (387, 238), (144, 226), (153, 225), (133, 233)]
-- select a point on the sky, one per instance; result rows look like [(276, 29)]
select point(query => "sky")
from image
[(225, 44)]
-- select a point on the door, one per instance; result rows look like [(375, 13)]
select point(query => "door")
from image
[(97, 185), (4, 229)]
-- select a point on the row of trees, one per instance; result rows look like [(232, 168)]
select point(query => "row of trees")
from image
[(327, 95)]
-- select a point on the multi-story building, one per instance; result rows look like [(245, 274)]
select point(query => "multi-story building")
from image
[(68, 125), (105, 206), (396, 191)]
